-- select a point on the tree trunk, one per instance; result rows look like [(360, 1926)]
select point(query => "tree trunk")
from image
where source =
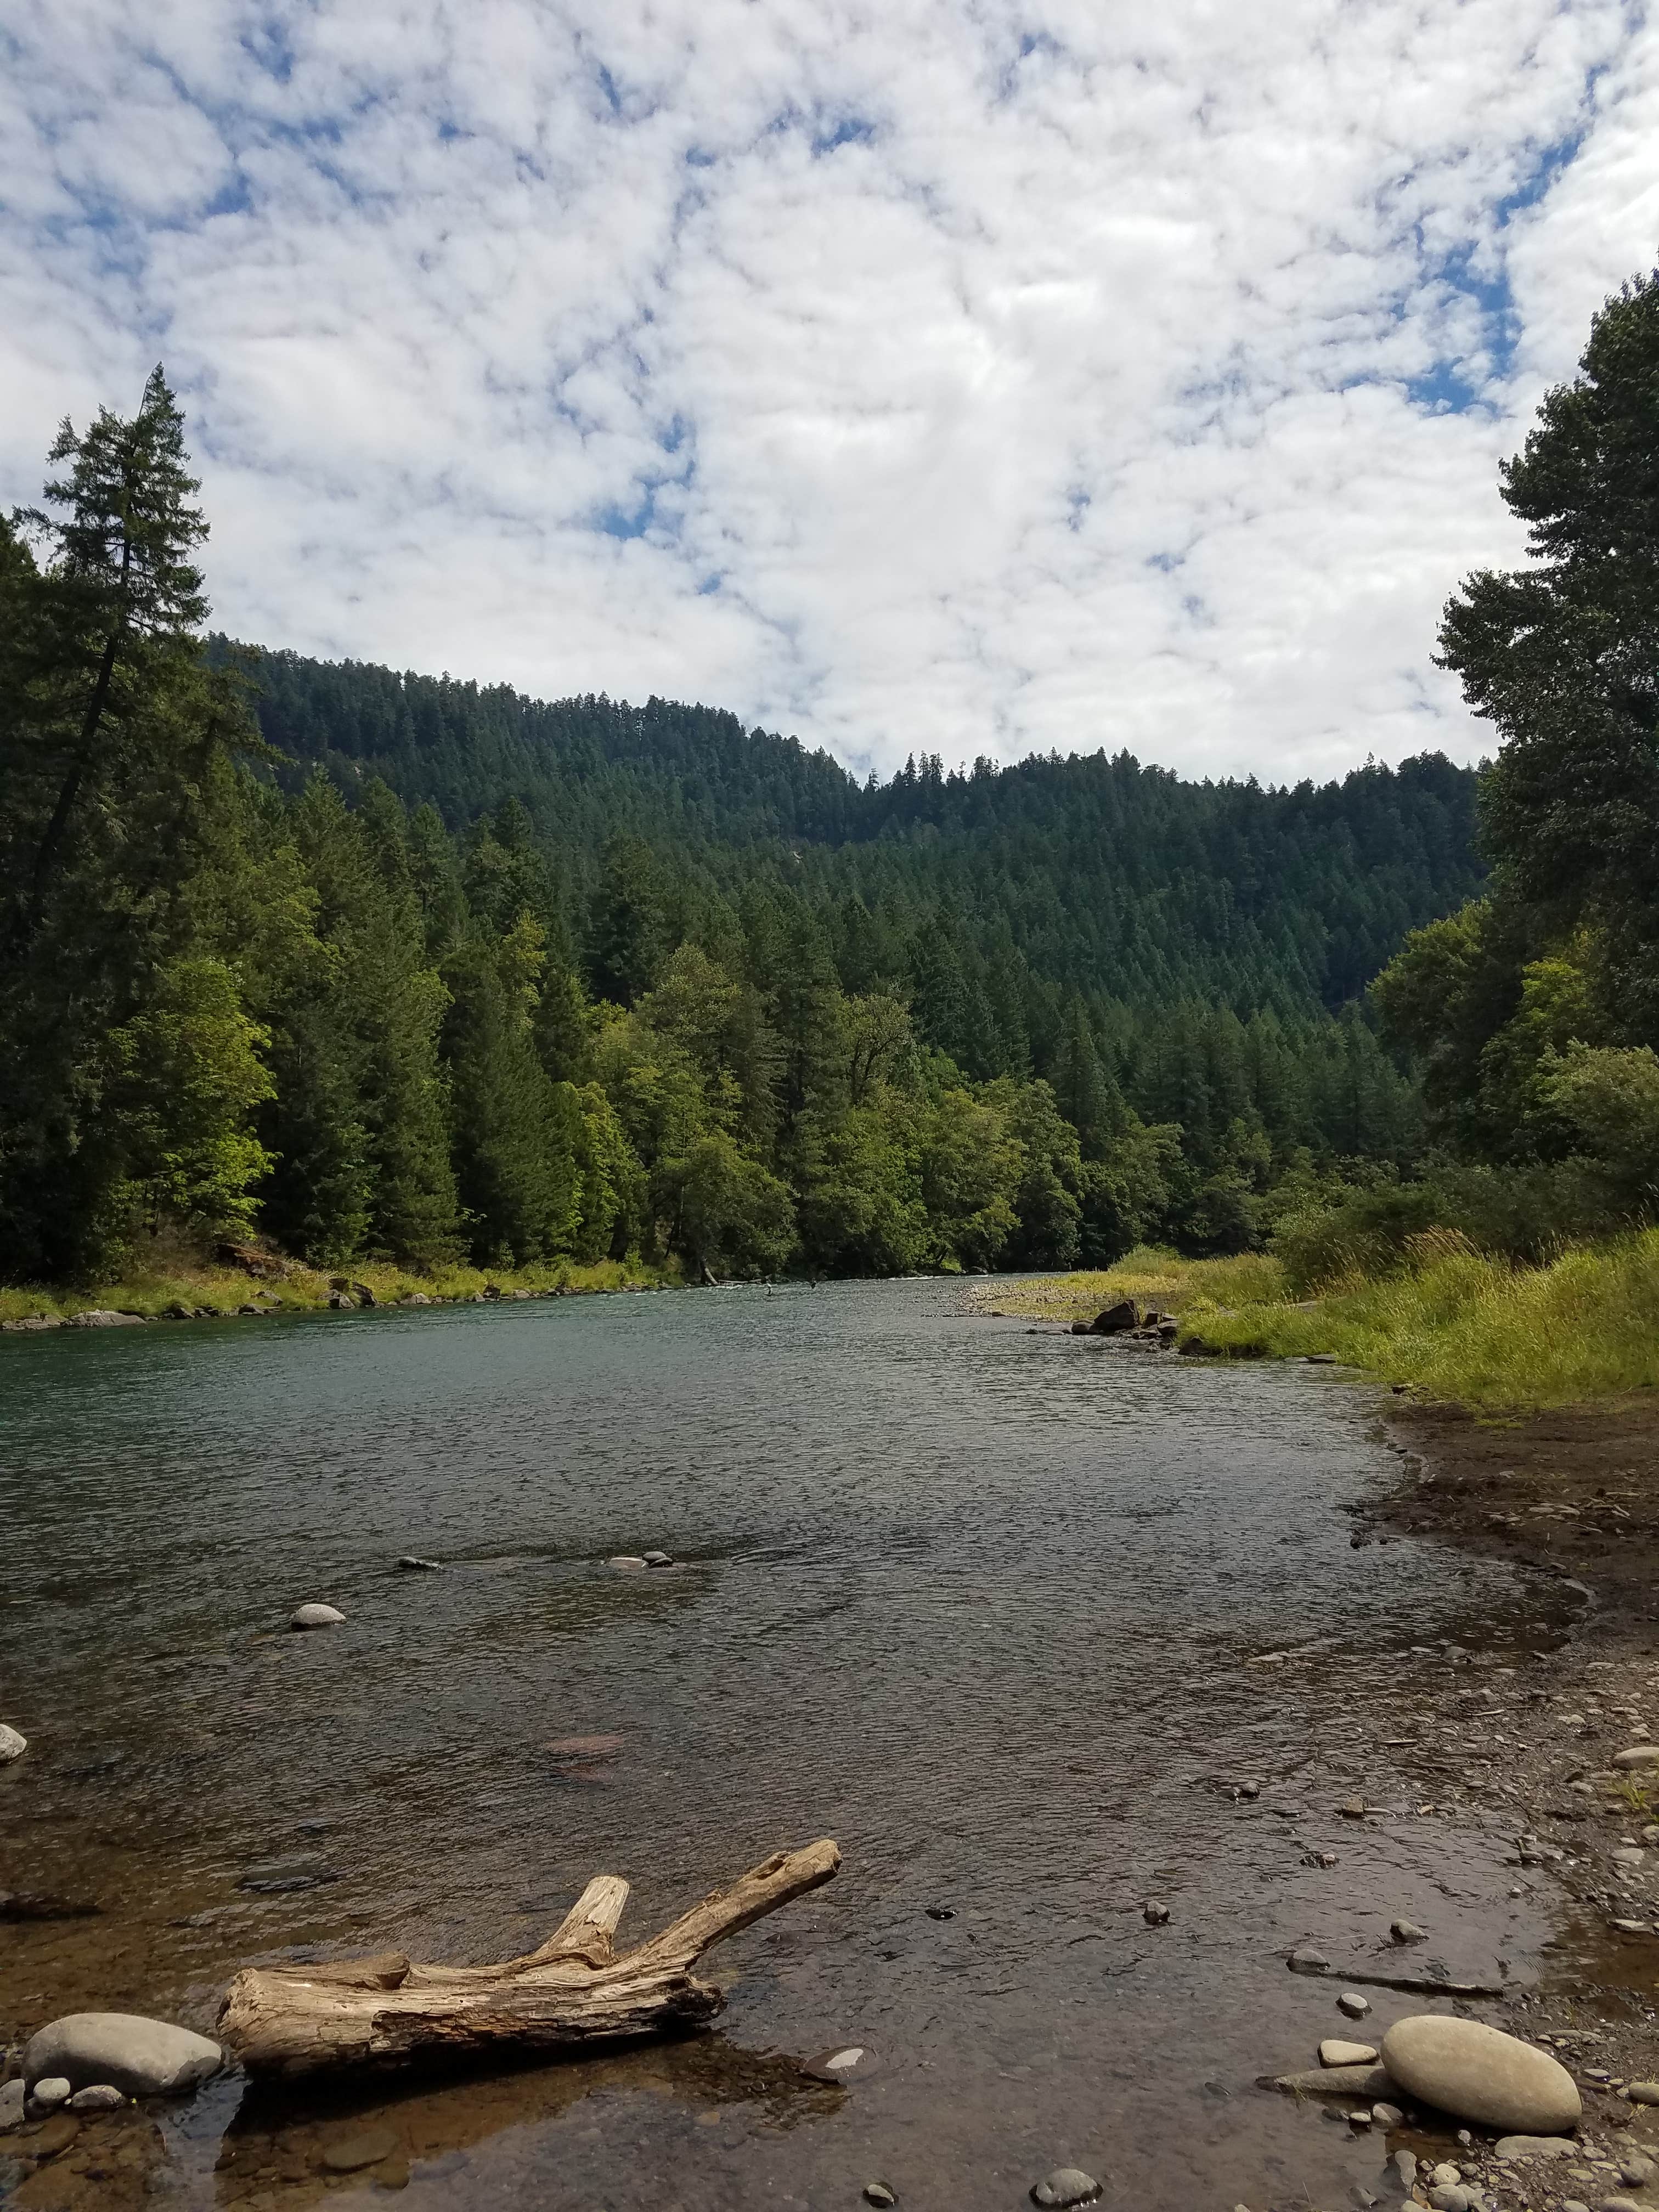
[(571, 1993)]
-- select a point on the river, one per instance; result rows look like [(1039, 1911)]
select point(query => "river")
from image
[(980, 1602)]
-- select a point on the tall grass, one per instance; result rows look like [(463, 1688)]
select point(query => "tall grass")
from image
[(1455, 1326), (305, 1289), (1152, 1275)]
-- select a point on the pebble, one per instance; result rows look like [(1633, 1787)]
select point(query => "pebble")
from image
[(1388, 2116), (316, 1616), (877, 2192), (12, 1746), (1306, 1960), (840, 2063), (1067, 2185), (1480, 2073), (1333, 2051), (97, 2097), (1446, 2174), (53, 2091), (1353, 2004), (366, 2147), (1155, 1912), (1405, 2165)]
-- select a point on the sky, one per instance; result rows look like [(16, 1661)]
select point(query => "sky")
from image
[(916, 376)]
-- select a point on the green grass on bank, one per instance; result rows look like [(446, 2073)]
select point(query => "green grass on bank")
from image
[(1455, 1326), (301, 1289)]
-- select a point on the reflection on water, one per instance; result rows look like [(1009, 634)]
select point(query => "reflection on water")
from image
[(973, 1601)]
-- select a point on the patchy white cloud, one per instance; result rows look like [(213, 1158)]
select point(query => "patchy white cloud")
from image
[(934, 375)]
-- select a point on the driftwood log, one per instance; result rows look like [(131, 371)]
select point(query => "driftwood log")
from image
[(572, 1993)]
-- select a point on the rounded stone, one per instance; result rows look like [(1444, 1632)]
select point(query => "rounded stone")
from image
[(316, 1616), (1353, 2004), (1067, 2185), (658, 1559), (1639, 1754), (628, 1561), (53, 2091), (1155, 1912), (842, 2063), (141, 2057), (1643, 2092), (97, 2097), (12, 2094), (877, 2192), (1448, 2196), (1333, 2051), (12, 1745), (1481, 2075)]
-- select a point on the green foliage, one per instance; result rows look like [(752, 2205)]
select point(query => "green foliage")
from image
[(433, 971)]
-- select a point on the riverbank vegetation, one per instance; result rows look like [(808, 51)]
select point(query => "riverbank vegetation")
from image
[(1450, 1325), (390, 971)]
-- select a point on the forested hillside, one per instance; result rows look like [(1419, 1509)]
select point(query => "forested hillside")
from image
[(1108, 878), (386, 965)]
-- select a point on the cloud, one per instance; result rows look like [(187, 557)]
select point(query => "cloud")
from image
[(939, 375)]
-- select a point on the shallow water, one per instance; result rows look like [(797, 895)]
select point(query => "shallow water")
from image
[(976, 1602)]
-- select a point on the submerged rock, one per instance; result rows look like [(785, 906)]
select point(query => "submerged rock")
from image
[(411, 1563), (142, 2058), (364, 2147), (658, 1559), (1480, 2073), (12, 1745), (316, 1616), (1067, 2185)]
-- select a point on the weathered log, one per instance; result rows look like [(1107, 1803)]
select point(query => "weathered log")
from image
[(571, 1993)]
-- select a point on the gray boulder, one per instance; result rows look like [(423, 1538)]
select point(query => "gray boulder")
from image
[(141, 2057), (103, 1317), (12, 2094), (12, 1745), (1115, 1319), (1481, 2075), (1639, 1754)]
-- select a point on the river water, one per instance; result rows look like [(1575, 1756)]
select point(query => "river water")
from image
[(980, 1602)]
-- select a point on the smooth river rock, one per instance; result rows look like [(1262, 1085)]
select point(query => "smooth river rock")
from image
[(1363, 2084), (1480, 2073), (51, 2091), (12, 2094), (97, 2097), (316, 1616), (12, 1745), (1639, 1754), (1509, 2146), (142, 2058), (1333, 2051)]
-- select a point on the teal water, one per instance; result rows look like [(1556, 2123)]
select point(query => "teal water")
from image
[(974, 1600)]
